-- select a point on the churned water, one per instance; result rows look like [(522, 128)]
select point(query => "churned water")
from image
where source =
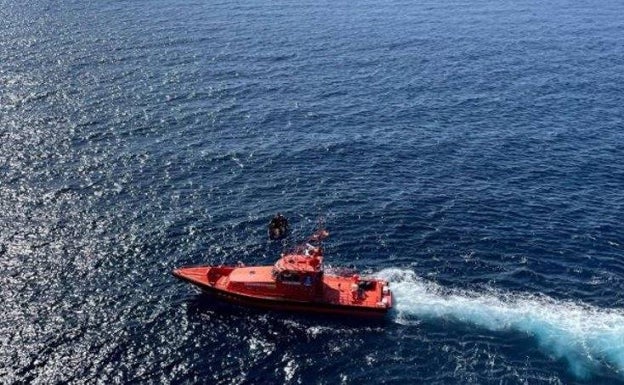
[(471, 152)]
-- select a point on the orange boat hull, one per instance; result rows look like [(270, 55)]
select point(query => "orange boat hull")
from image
[(257, 287)]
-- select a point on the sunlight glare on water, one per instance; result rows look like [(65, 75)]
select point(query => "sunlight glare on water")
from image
[(471, 151)]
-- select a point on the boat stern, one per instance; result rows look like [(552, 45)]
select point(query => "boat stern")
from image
[(386, 295)]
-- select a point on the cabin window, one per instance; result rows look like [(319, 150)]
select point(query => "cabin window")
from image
[(290, 277)]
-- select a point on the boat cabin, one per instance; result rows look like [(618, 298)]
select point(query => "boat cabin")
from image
[(300, 274)]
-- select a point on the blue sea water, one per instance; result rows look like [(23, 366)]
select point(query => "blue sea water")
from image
[(471, 152)]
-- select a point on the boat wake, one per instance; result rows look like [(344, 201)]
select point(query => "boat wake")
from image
[(589, 338)]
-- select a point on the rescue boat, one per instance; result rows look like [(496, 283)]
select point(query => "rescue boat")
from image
[(296, 282)]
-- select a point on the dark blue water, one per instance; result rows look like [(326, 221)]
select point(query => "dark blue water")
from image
[(471, 152)]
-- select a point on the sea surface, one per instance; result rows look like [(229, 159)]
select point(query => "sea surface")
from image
[(470, 152)]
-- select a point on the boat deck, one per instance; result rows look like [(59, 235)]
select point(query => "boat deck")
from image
[(339, 290), (336, 290)]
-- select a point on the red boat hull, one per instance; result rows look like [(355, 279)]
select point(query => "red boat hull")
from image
[(343, 303)]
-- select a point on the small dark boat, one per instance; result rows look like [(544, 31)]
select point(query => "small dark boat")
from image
[(297, 282)]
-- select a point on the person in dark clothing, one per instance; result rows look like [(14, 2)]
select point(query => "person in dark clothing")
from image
[(278, 227)]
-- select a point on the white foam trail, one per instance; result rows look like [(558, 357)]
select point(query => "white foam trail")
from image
[(586, 336)]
